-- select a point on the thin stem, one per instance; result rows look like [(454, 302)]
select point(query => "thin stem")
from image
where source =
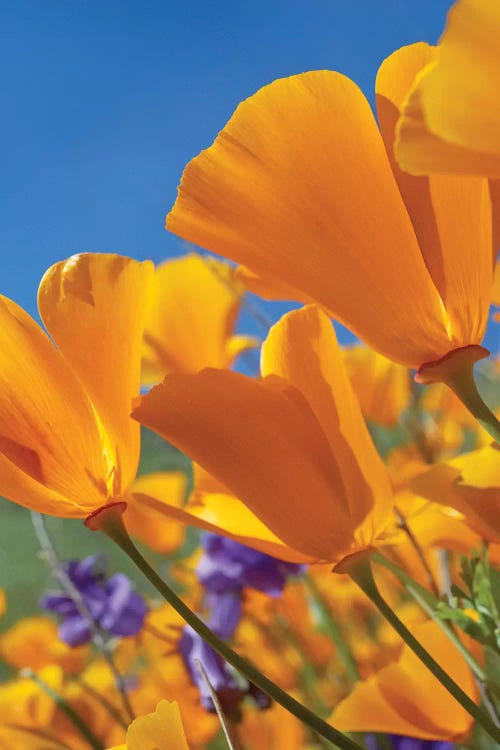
[(333, 630), (109, 521), (428, 603), (462, 383), (383, 742), (70, 712), (307, 675), (361, 573), (97, 635), (112, 711), (444, 570), (218, 708), (403, 525), (488, 701)]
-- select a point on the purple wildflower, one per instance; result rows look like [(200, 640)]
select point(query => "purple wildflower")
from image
[(111, 602), (227, 564), (229, 691), (398, 742), (225, 569), (193, 649)]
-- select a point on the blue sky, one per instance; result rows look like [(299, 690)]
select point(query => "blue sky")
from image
[(105, 101)]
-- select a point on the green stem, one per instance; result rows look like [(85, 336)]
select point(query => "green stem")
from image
[(112, 711), (231, 742), (361, 573), (332, 629), (109, 521), (403, 525), (428, 602), (98, 635), (462, 383), (65, 707)]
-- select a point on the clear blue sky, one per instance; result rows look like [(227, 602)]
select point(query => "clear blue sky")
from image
[(105, 101)]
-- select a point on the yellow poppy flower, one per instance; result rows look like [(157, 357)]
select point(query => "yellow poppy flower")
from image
[(194, 305), (382, 387), (33, 643), (213, 507), (15, 737), (296, 434), (302, 188), (67, 445), (161, 730), (273, 728), (23, 702), (451, 120), (471, 484), (405, 698), (161, 534)]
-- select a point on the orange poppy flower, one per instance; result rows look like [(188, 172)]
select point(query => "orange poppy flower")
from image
[(33, 643), (451, 120), (194, 305), (12, 738), (292, 446), (152, 528), (272, 728), (302, 188), (405, 698), (161, 730), (67, 444), (382, 387), (23, 702), (213, 507), (471, 484)]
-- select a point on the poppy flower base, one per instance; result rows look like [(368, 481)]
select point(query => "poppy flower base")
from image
[(456, 370)]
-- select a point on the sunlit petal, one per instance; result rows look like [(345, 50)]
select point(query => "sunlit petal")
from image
[(94, 307)]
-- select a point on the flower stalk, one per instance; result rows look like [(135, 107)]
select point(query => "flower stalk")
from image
[(98, 637), (464, 386), (333, 630), (230, 740), (456, 370), (68, 710), (361, 573), (109, 521)]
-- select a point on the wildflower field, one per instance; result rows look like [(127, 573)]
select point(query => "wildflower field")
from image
[(223, 530)]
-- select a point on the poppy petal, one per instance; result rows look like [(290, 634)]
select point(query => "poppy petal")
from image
[(157, 530), (223, 514), (94, 306), (382, 387), (161, 730), (297, 187), (451, 122), (50, 447), (451, 214), (303, 350), (469, 483), (405, 698), (263, 443), (192, 315)]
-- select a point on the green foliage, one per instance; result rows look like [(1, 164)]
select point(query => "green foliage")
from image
[(475, 608)]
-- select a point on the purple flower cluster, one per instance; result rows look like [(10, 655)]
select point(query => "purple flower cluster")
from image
[(225, 570), (397, 742), (111, 602)]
